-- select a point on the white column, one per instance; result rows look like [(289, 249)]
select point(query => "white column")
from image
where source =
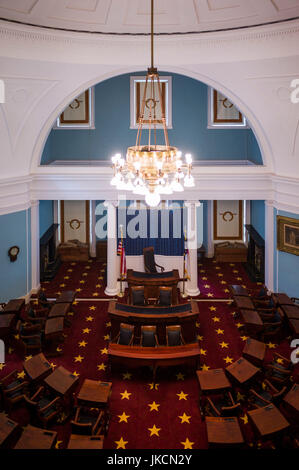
[(210, 251), (56, 221), (92, 237), (269, 245), (112, 271), (35, 259), (192, 285)]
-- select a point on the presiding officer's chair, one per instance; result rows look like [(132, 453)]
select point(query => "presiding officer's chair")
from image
[(150, 265)]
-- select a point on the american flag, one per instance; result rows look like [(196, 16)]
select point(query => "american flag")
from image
[(121, 253), (186, 258)]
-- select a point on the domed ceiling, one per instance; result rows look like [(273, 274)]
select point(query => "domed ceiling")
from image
[(133, 16)]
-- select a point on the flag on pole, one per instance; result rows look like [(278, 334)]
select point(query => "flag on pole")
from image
[(186, 257), (121, 253)]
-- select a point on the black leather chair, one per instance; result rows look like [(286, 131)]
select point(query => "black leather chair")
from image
[(44, 406), (42, 299), (174, 335), (222, 405), (265, 394), (150, 265), (280, 370), (165, 296), (125, 335), (148, 336), (89, 421), (137, 295), (13, 389)]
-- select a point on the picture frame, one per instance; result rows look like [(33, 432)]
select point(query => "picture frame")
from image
[(137, 84), (79, 114), (288, 235), (222, 113), (232, 214)]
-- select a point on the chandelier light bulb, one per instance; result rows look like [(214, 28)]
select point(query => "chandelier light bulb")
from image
[(152, 198), (189, 181), (188, 158), (176, 186), (115, 179)]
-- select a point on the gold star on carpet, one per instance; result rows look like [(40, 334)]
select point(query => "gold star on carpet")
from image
[(82, 282), (21, 375), (203, 352), (106, 337), (240, 397), (154, 406), (235, 271), (204, 278), (123, 417), (180, 376), (199, 338), (82, 344), (125, 395), (213, 309), (100, 278), (95, 294), (62, 285), (86, 330), (90, 318), (223, 282), (69, 270), (184, 418), (2, 366), (233, 313), (78, 290), (209, 294), (58, 293), (182, 396), (98, 285), (205, 367), (66, 277), (53, 365), (271, 345), (104, 351), (75, 302), (244, 338), (223, 344), (202, 271), (226, 290), (206, 286), (127, 376), (92, 307), (154, 431), (108, 324), (101, 366), (58, 444), (219, 331), (76, 374), (197, 324), (239, 325), (187, 444), (71, 314), (244, 419), (121, 444), (215, 319), (27, 358), (217, 267), (10, 350), (78, 358), (85, 274), (239, 279), (58, 349), (279, 360), (153, 386), (219, 275), (228, 360)]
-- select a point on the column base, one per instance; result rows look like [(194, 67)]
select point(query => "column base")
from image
[(193, 292), (111, 292)]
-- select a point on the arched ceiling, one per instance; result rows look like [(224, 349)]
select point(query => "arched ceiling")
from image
[(133, 16)]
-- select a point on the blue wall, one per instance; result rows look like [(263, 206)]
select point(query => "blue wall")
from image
[(286, 266), (15, 278), (46, 216), (257, 216), (189, 133)]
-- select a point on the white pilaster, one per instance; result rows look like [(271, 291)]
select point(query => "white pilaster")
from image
[(269, 245), (112, 272), (56, 221), (35, 259), (92, 248), (192, 285), (210, 248)]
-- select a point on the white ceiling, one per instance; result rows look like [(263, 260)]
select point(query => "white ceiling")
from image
[(133, 16)]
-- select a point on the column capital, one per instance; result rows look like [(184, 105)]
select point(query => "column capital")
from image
[(34, 202), (192, 204), (111, 203), (269, 203)]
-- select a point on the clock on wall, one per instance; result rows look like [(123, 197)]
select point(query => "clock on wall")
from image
[(13, 253)]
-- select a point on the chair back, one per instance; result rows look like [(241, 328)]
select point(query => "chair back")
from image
[(126, 333), (137, 295), (148, 336), (149, 260), (173, 335), (165, 296)]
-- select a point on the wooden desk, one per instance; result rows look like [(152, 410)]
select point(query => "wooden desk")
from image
[(292, 399), (61, 381), (243, 302), (59, 310), (162, 356), (236, 289), (213, 380), (242, 371), (282, 299), (14, 306), (152, 282), (85, 442), (67, 297), (252, 322), (37, 368), (36, 438), (291, 311), (268, 420), (8, 428), (53, 335), (254, 351), (185, 315), (294, 324), (94, 393), (224, 431), (7, 322)]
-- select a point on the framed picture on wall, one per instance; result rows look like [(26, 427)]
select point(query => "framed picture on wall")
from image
[(222, 113), (228, 220), (137, 86), (79, 114), (288, 235)]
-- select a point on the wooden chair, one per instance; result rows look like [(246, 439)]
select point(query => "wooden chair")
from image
[(13, 389), (280, 370), (174, 335), (224, 405), (125, 335), (272, 329), (150, 265), (43, 301), (89, 421), (29, 337), (271, 315), (148, 336), (137, 295), (266, 393), (165, 296), (43, 406)]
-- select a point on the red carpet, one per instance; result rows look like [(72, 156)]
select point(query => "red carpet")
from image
[(145, 416)]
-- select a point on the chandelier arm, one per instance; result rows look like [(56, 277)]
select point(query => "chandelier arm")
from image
[(141, 115), (163, 113)]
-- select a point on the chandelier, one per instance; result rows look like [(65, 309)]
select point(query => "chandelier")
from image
[(150, 169)]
